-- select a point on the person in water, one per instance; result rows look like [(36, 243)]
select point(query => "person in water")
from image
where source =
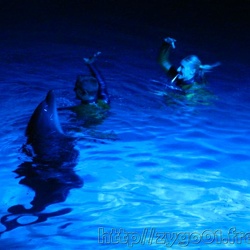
[(91, 90), (189, 78)]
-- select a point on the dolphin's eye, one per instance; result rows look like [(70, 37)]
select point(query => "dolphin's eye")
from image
[(45, 108)]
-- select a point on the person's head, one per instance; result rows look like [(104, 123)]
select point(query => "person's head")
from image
[(86, 88), (189, 68)]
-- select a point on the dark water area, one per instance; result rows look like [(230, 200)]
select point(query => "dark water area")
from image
[(149, 169), (216, 29)]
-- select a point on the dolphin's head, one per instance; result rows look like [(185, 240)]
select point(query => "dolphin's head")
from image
[(45, 135), (50, 109), (44, 121)]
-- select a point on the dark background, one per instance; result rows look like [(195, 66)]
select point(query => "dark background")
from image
[(220, 23)]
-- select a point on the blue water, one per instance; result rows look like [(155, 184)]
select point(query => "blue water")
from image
[(154, 176)]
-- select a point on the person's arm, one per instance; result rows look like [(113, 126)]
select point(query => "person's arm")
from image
[(163, 58), (102, 92)]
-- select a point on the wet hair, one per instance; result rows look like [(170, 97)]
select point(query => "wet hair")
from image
[(200, 69), (86, 82)]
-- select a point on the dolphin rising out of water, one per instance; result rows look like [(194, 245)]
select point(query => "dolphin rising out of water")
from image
[(45, 135), (51, 173)]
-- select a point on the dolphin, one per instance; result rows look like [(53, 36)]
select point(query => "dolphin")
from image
[(54, 157), (46, 141), (51, 173)]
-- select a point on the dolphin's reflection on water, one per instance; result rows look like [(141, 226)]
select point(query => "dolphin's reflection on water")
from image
[(50, 186), (51, 173)]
